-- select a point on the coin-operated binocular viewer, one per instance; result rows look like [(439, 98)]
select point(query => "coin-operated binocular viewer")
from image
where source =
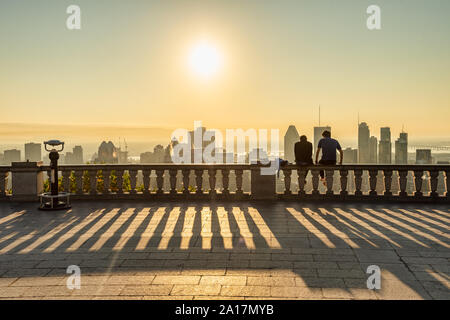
[(54, 200)]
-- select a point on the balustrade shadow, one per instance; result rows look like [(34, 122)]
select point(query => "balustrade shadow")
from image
[(326, 245)]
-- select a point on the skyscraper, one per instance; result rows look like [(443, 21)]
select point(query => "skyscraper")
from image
[(75, 157), (33, 152), (363, 143), (290, 138), (423, 156), (373, 147), (385, 146), (401, 149), (12, 155), (350, 156), (318, 135)]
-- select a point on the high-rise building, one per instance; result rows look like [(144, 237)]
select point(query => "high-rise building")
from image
[(373, 147), (12, 155), (350, 156), (290, 138), (401, 149), (385, 146), (423, 156), (363, 143), (318, 135), (33, 152), (75, 157)]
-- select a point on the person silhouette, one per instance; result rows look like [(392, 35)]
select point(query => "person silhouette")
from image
[(303, 153), (328, 146)]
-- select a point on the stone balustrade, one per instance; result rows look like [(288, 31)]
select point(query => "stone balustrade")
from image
[(240, 182)]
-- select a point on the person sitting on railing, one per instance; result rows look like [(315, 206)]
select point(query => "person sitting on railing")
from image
[(328, 147), (303, 153)]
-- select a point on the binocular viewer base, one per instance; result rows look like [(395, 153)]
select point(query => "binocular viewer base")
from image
[(54, 202)]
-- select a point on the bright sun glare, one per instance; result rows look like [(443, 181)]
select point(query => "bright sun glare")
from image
[(205, 60)]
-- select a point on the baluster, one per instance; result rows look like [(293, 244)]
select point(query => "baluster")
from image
[(3, 175), (373, 182), (199, 181), (79, 181), (186, 173), (447, 183), (212, 181), (329, 178), (146, 179), (173, 181), (119, 173), (66, 180), (301, 173), (106, 181), (402, 181), (315, 181), (434, 183), (239, 173), (358, 181), (92, 181), (225, 181), (418, 174), (133, 177), (387, 182), (160, 181), (344, 175), (287, 181)]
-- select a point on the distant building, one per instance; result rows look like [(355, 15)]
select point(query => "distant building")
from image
[(12, 155), (290, 138), (363, 143), (157, 156), (33, 152), (107, 153), (2, 158), (401, 149), (350, 156), (385, 146), (318, 135), (423, 156), (373, 149), (75, 157)]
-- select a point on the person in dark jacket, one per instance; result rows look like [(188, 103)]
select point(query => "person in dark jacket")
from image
[(303, 152)]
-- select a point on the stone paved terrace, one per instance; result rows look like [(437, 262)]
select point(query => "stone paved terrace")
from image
[(244, 250)]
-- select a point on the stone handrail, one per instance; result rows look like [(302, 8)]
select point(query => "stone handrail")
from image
[(203, 181)]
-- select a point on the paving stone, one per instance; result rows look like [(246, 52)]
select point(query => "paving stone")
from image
[(224, 280), (341, 273), (246, 291), (196, 290), (296, 292), (179, 279), (146, 290), (271, 281)]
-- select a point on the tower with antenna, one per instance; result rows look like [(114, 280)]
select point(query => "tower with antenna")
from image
[(319, 130)]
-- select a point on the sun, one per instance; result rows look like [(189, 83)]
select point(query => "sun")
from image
[(205, 59)]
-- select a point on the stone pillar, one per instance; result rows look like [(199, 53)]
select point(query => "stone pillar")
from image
[(27, 181), (263, 187)]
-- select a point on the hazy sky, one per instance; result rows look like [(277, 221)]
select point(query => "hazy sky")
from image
[(128, 65)]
